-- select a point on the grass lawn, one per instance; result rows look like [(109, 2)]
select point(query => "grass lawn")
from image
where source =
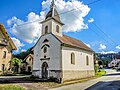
[(10, 87), (100, 73)]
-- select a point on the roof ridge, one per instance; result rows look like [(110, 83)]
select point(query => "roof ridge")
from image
[(2, 28), (76, 39), (73, 41)]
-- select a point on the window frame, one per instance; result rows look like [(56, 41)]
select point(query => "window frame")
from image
[(87, 60), (4, 54), (45, 49), (73, 58), (46, 29), (57, 28)]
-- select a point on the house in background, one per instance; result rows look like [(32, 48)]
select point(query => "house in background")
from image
[(27, 64), (106, 59), (6, 48), (115, 61), (59, 56)]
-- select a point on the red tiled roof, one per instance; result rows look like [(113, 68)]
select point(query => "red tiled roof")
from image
[(73, 42)]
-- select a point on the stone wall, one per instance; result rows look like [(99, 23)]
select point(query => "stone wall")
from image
[(73, 75)]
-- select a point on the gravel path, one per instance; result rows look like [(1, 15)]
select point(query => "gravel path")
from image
[(28, 85)]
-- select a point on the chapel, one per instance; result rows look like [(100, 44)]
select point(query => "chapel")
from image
[(60, 56)]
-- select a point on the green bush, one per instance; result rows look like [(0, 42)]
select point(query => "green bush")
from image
[(11, 87), (100, 72)]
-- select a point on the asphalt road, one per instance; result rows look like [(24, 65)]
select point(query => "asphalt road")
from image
[(12, 79), (111, 81)]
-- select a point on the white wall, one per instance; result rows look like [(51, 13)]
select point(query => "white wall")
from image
[(54, 54), (52, 27), (80, 59), (54, 23), (49, 24)]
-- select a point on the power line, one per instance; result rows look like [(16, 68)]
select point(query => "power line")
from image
[(93, 30), (105, 33), (89, 27), (76, 17), (55, 15), (99, 27), (94, 2)]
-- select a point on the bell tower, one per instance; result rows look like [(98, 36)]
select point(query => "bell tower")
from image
[(52, 22)]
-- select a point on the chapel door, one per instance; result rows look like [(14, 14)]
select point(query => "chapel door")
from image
[(44, 70)]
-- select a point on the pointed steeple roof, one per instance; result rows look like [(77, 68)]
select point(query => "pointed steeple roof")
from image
[(53, 13)]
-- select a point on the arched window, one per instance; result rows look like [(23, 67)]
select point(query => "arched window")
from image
[(57, 28), (4, 54), (72, 58), (46, 29), (87, 60), (45, 49), (29, 59)]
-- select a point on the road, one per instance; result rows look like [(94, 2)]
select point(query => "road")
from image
[(13, 79), (111, 81)]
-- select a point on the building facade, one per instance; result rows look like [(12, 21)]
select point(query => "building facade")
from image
[(27, 64), (6, 48), (59, 56)]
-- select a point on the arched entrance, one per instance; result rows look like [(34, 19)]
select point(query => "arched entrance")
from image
[(44, 70)]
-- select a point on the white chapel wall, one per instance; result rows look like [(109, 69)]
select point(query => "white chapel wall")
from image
[(54, 54), (80, 59)]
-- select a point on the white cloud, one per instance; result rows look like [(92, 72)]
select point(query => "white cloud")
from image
[(30, 32), (17, 43), (108, 52), (118, 47), (88, 45), (9, 22), (23, 50), (102, 46), (91, 20), (27, 32)]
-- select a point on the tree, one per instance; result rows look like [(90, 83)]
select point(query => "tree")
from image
[(16, 63), (22, 55)]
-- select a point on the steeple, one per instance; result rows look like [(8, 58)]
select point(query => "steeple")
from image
[(52, 22), (53, 13)]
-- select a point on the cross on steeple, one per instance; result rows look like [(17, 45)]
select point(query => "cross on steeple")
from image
[(52, 4)]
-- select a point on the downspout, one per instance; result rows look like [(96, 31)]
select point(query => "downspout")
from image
[(61, 78)]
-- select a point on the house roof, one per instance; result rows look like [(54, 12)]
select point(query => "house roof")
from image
[(31, 55), (69, 41), (6, 35), (53, 12)]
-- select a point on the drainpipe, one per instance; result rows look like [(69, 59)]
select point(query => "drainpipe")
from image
[(61, 74)]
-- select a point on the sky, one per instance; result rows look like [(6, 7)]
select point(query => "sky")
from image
[(94, 22)]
